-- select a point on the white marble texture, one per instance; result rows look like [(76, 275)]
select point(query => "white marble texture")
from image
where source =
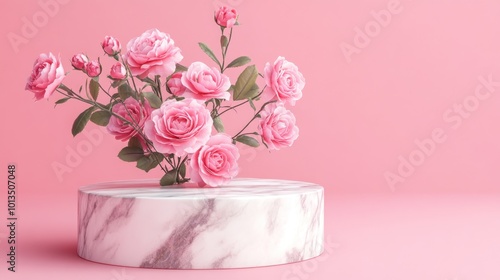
[(248, 223)]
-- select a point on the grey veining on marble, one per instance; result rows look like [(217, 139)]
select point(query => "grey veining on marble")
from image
[(248, 223)]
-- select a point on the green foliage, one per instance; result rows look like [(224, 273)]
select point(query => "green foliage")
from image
[(248, 140), (62, 100), (131, 154), (245, 86), (94, 89), (153, 99), (149, 162), (240, 61), (169, 178), (209, 52), (82, 120), (219, 126), (100, 118), (125, 91), (223, 41)]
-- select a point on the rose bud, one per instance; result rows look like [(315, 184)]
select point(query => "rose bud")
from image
[(79, 60), (111, 46), (93, 68), (226, 17), (118, 71)]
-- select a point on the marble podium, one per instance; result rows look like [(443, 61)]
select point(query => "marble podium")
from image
[(247, 223)]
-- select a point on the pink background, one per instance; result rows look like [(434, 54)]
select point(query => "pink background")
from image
[(360, 114)]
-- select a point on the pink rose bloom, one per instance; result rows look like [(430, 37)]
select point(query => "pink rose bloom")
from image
[(226, 17), (277, 127), (134, 112), (93, 68), (284, 81), (118, 71), (215, 163), (111, 46), (46, 76), (179, 127), (79, 60), (175, 85), (153, 53), (203, 82)]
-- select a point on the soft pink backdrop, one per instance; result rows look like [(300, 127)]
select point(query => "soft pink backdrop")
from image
[(359, 113)]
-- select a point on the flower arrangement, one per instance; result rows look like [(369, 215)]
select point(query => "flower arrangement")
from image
[(170, 115)]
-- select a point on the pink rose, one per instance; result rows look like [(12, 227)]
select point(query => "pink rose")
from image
[(46, 76), (226, 17), (111, 46), (284, 81), (215, 163), (118, 71), (152, 53), (203, 82), (179, 127), (93, 68), (134, 112), (175, 85), (79, 60), (277, 127)]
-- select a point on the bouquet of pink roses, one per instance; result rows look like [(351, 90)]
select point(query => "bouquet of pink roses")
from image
[(167, 112)]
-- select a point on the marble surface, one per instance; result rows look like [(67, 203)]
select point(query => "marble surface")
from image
[(248, 223)]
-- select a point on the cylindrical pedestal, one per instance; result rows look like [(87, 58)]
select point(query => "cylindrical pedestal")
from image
[(247, 223)]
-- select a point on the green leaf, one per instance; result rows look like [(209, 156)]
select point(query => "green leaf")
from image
[(180, 68), (115, 96), (101, 118), (223, 41), (247, 140), (157, 156), (66, 89), (147, 163), (94, 88), (131, 154), (219, 126), (245, 86), (134, 142), (169, 178), (209, 52), (240, 61), (125, 91), (253, 92), (62, 100), (250, 101), (153, 99), (147, 80), (81, 121), (182, 170), (118, 83)]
